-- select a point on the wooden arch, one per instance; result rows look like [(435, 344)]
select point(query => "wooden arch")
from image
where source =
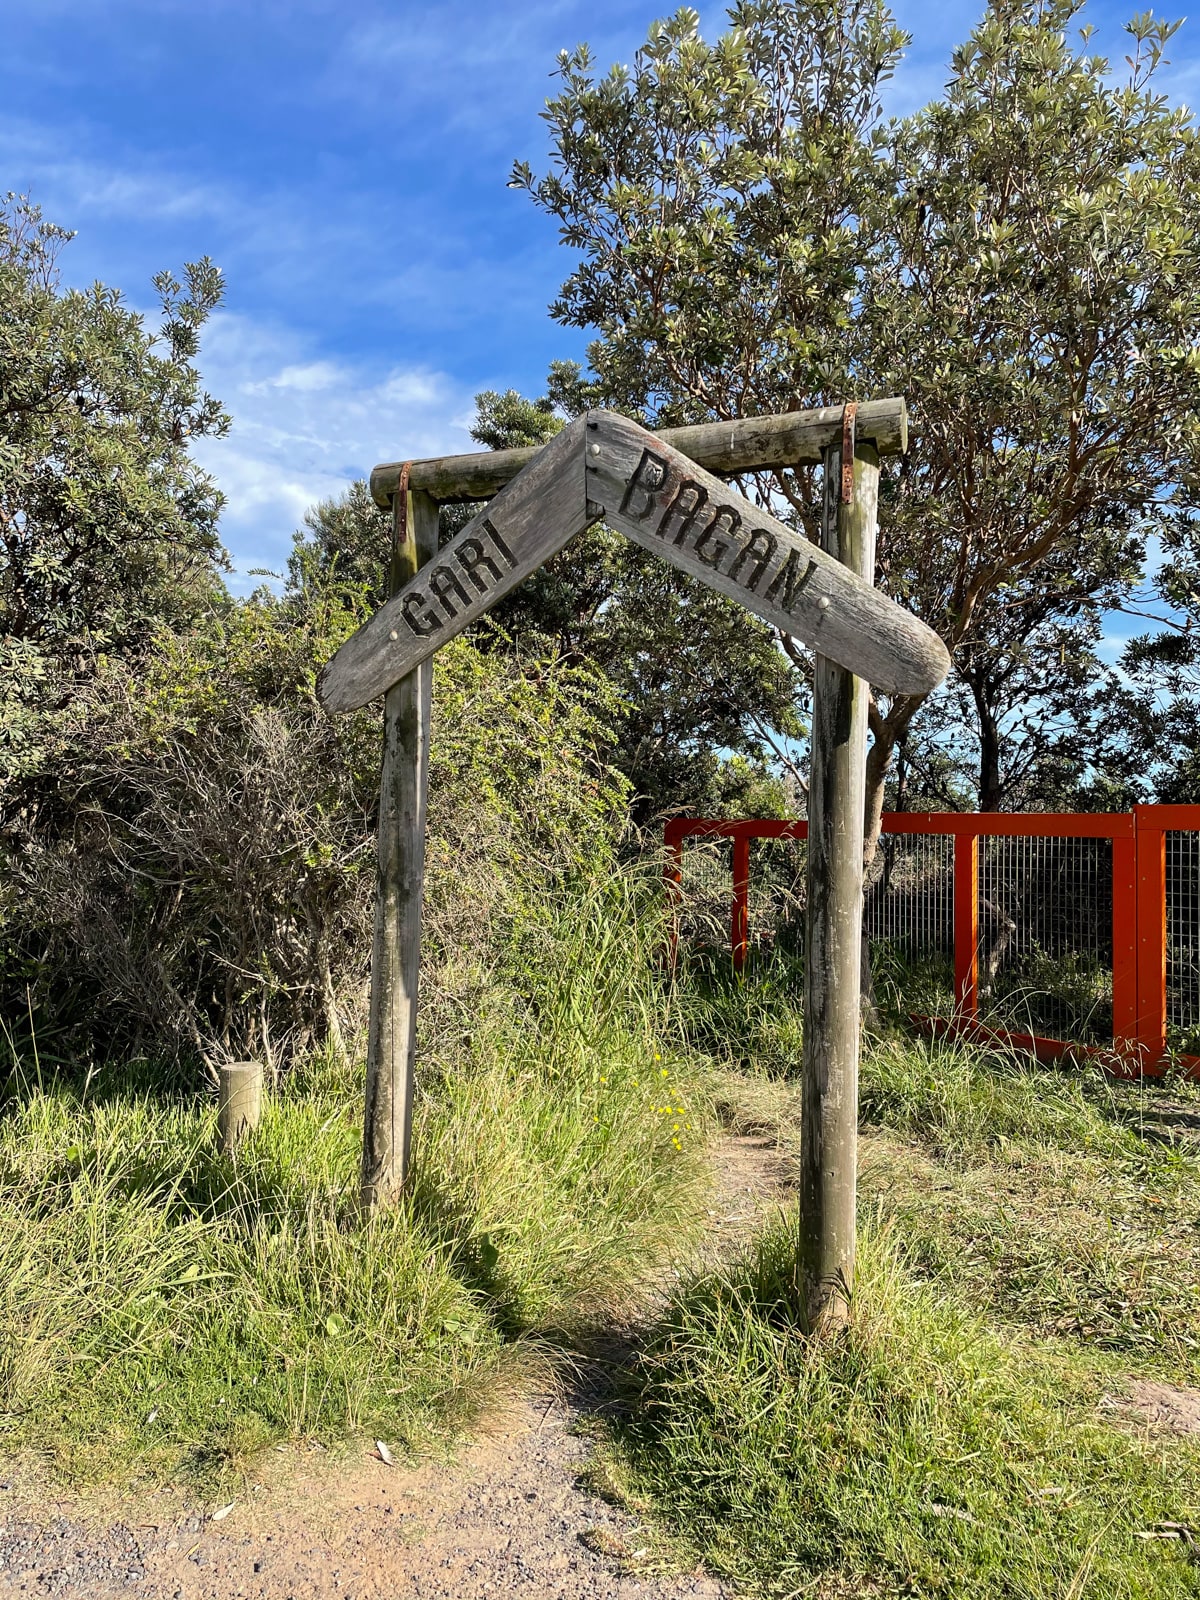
[(604, 466), (659, 490)]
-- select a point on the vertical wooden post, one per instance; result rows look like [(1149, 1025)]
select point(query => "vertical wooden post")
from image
[(239, 1103), (740, 922), (966, 927), (396, 953), (832, 976)]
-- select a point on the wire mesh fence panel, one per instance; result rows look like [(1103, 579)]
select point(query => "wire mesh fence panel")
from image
[(776, 899), (1039, 913), (908, 916), (1045, 936), (778, 896), (1183, 941), (704, 894)]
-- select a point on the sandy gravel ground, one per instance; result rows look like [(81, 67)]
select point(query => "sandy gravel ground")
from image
[(508, 1518)]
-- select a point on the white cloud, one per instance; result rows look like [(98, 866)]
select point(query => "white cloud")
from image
[(307, 377), (305, 426), (1112, 644), (48, 158)]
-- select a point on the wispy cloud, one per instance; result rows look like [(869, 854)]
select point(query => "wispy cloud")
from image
[(305, 425), (48, 160), (483, 71)]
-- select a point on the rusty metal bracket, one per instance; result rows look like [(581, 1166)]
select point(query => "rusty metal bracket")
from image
[(401, 506), (849, 411)]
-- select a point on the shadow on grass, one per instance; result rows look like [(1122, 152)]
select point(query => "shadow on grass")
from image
[(906, 1454)]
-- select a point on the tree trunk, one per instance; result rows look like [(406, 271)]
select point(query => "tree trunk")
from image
[(991, 787), (887, 732)]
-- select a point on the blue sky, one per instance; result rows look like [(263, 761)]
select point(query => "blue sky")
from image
[(345, 164)]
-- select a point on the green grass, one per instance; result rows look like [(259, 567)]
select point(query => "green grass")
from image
[(963, 1097), (1030, 1248), (1031, 1245), (749, 1022), (918, 1454), (164, 1313)]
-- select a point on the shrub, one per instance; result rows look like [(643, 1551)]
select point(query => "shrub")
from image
[(197, 877)]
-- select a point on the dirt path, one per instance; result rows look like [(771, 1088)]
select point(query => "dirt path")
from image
[(509, 1517)]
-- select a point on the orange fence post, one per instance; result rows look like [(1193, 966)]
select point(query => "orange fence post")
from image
[(1151, 845), (966, 925), (1125, 943), (740, 922)]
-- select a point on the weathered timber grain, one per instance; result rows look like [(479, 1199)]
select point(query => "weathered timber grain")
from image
[(832, 952), (605, 465), (525, 524), (741, 445), (658, 497), (239, 1103), (396, 952)]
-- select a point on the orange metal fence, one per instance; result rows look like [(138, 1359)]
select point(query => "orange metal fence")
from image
[(1155, 919)]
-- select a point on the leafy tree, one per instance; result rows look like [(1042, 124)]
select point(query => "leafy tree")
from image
[(107, 526), (1020, 727), (1035, 705), (1038, 300), (1152, 749), (1161, 716), (342, 548), (1021, 259)]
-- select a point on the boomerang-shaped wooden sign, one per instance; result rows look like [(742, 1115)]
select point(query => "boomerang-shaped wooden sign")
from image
[(604, 466)]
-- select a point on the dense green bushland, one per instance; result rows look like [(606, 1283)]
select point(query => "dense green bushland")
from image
[(193, 876), (108, 527), (186, 841)]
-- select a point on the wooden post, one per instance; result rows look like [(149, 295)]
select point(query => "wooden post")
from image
[(396, 953), (832, 978), (737, 445), (239, 1104)]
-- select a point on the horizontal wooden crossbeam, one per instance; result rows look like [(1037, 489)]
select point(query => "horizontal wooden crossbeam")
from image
[(743, 445), (604, 465)]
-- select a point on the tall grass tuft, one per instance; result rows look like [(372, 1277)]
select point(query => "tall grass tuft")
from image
[(919, 1453), (164, 1311)]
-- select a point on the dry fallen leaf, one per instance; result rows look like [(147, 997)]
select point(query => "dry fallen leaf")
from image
[(1169, 1530), (222, 1511), (940, 1510)]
